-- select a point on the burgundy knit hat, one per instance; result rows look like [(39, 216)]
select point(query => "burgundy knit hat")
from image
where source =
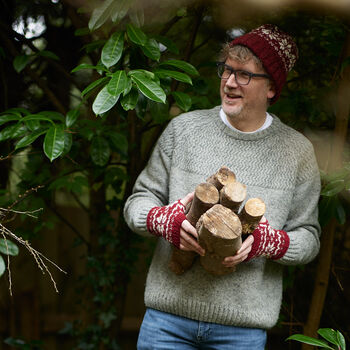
[(276, 50)]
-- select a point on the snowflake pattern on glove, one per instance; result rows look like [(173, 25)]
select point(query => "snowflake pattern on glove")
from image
[(166, 221), (268, 242)]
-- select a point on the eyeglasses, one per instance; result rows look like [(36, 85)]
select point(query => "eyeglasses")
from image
[(242, 77)]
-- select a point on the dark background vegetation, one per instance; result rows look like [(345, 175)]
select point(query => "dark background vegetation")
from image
[(80, 167)]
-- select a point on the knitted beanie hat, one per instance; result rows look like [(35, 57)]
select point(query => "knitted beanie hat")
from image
[(276, 50)]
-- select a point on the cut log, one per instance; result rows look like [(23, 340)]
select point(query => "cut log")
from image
[(232, 195), (205, 196), (251, 214), (222, 177), (219, 231)]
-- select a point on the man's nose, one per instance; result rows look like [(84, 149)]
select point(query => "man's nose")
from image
[(231, 81)]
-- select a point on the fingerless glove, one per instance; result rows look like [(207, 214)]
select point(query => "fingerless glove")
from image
[(166, 222), (268, 242)]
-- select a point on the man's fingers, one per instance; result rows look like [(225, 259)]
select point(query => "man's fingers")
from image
[(241, 254), (187, 199), (188, 239), (247, 243), (187, 227)]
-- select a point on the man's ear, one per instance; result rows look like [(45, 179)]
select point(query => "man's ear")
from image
[(272, 92)]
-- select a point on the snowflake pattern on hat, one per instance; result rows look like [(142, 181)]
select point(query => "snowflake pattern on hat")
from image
[(281, 42)]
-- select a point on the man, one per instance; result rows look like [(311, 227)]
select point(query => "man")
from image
[(197, 309)]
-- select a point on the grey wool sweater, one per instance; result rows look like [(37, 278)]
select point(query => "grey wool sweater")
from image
[(278, 165)]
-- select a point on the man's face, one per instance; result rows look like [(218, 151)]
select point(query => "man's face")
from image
[(241, 101)]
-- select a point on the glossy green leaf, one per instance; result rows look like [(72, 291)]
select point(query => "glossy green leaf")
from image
[(53, 115), (329, 334), (29, 139), (8, 118), (136, 35), (169, 44), (101, 14), (159, 112), (54, 142), (113, 49), (185, 66), (118, 83), (333, 188), (2, 266), (17, 111), (308, 340), (164, 73), (104, 101), (129, 101), (151, 49), (100, 151), (94, 84), (20, 62), (37, 117), (121, 10), (8, 248), (32, 125), (68, 142), (48, 54), (148, 87), (341, 341), (183, 100), (72, 117), (12, 132), (83, 66)]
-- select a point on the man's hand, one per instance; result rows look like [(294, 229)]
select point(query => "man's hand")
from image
[(188, 234), (241, 254)]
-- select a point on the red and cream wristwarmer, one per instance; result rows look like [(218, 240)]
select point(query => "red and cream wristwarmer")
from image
[(268, 242), (166, 222)]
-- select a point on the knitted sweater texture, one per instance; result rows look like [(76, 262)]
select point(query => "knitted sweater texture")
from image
[(278, 165)]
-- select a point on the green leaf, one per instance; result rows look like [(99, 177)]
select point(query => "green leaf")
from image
[(36, 117), (183, 100), (113, 49), (20, 62), (2, 266), (53, 115), (151, 49), (101, 14), (100, 151), (136, 35), (185, 66), (8, 118), (118, 141), (104, 101), (84, 66), (137, 17), (48, 54), (333, 188), (129, 101), (159, 112), (32, 125), (340, 213), (121, 10), (341, 341), (118, 83), (12, 132), (17, 111), (29, 139), (8, 248), (68, 141), (72, 117), (308, 340), (94, 45), (169, 44), (329, 334), (149, 88), (164, 73), (54, 142), (93, 85)]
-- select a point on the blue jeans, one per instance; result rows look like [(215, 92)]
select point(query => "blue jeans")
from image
[(160, 330)]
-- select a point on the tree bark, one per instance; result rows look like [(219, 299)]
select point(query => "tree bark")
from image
[(205, 196), (219, 230), (251, 214), (232, 195), (222, 177)]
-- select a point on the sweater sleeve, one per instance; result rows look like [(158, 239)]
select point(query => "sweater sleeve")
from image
[(151, 186), (302, 225)]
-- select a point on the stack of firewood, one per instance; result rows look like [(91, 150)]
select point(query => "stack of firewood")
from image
[(214, 213)]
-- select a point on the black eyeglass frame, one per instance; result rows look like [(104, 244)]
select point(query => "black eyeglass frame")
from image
[(234, 71)]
